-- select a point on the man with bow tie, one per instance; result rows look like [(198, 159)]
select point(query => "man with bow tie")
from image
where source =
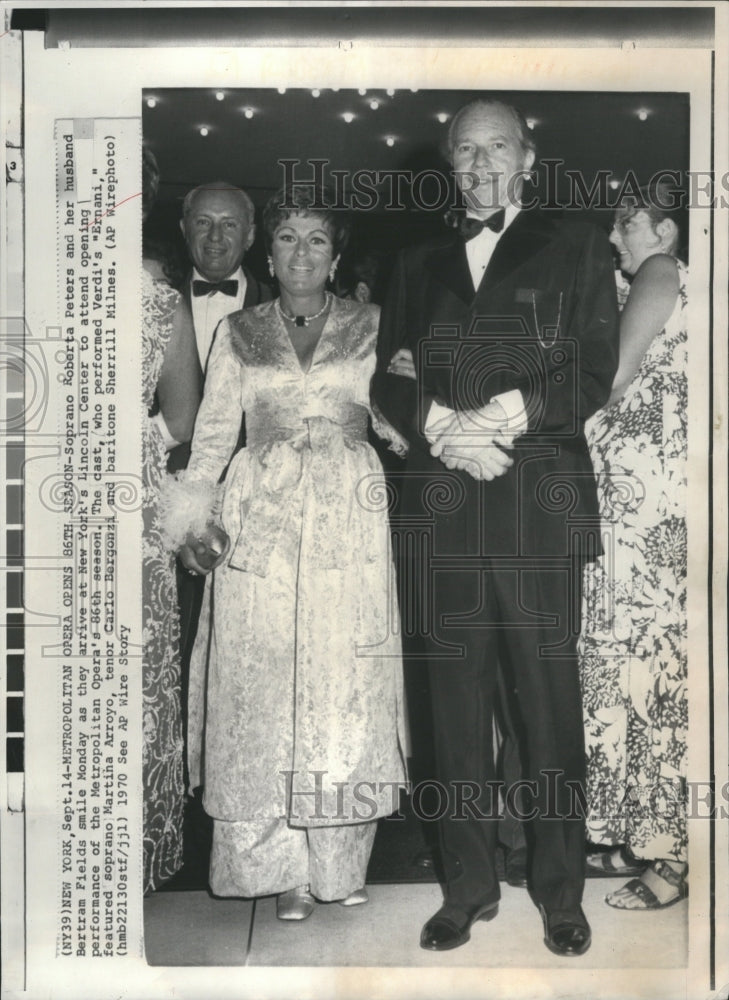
[(512, 324), (218, 226)]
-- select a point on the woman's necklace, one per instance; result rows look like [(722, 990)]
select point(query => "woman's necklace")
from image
[(305, 320)]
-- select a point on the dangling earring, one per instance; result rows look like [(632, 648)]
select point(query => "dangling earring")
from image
[(333, 268), (271, 269)]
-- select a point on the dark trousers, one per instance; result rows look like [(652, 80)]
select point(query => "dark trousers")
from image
[(510, 756), (528, 617)]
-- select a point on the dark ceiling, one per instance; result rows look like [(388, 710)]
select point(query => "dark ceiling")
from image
[(585, 132), (589, 132)]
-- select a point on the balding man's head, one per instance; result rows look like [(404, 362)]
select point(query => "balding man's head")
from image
[(217, 223), (491, 150)]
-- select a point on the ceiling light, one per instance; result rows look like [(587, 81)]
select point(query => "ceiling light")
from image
[(442, 117), (642, 113), (248, 112), (374, 105), (316, 93), (348, 116), (413, 90), (219, 95), (204, 130), (614, 183), (531, 122), (361, 91), (282, 90), (390, 140), (151, 102), (390, 92)]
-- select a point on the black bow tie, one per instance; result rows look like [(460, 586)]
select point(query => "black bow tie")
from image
[(468, 228), (227, 287)]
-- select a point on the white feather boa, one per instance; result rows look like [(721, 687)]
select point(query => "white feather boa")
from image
[(186, 506)]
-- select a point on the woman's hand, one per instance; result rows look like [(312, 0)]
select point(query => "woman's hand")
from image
[(402, 364), (201, 554)]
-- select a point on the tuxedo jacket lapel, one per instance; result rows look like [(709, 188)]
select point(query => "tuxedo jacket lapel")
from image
[(186, 290), (449, 266), (529, 233), (253, 290)]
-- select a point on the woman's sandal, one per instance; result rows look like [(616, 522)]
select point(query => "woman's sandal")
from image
[(638, 889), (603, 865), (295, 904), (355, 898)]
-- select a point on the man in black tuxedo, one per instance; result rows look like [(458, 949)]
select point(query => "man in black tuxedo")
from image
[(511, 320)]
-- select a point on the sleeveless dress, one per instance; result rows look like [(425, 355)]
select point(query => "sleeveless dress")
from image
[(296, 719), (633, 652), (163, 741)]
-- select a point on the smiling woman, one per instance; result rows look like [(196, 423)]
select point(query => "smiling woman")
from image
[(302, 256), (296, 714)]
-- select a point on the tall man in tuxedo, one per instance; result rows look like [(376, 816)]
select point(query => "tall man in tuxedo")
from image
[(511, 320)]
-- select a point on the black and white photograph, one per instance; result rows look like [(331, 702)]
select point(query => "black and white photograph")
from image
[(388, 166), (365, 456)]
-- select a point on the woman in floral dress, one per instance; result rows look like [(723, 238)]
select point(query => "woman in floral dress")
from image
[(633, 642), (171, 372), (296, 716)]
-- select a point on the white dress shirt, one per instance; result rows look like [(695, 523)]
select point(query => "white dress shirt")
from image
[(479, 251), (208, 310)]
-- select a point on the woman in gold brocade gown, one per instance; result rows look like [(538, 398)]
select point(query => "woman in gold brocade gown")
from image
[(296, 686)]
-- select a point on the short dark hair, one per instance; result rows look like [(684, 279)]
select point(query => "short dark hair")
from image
[(659, 201), (306, 198), (525, 133)]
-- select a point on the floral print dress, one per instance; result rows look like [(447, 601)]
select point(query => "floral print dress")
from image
[(633, 655), (163, 742)]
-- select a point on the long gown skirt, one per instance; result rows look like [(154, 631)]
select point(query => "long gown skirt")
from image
[(275, 848)]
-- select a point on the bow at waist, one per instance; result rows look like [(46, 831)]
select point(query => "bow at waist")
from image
[(279, 451), (312, 430)]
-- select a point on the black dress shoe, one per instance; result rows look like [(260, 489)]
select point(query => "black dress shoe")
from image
[(424, 859), (516, 867), (451, 926), (566, 932)]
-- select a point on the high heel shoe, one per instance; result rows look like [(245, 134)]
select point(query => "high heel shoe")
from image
[(296, 904), (355, 898)]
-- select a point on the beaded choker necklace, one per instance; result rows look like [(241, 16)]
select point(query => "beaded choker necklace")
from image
[(305, 320)]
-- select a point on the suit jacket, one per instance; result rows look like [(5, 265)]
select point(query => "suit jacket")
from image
[(256, 292), (544, 320)]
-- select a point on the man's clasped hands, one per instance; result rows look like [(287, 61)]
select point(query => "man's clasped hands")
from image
[(471, 440)]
